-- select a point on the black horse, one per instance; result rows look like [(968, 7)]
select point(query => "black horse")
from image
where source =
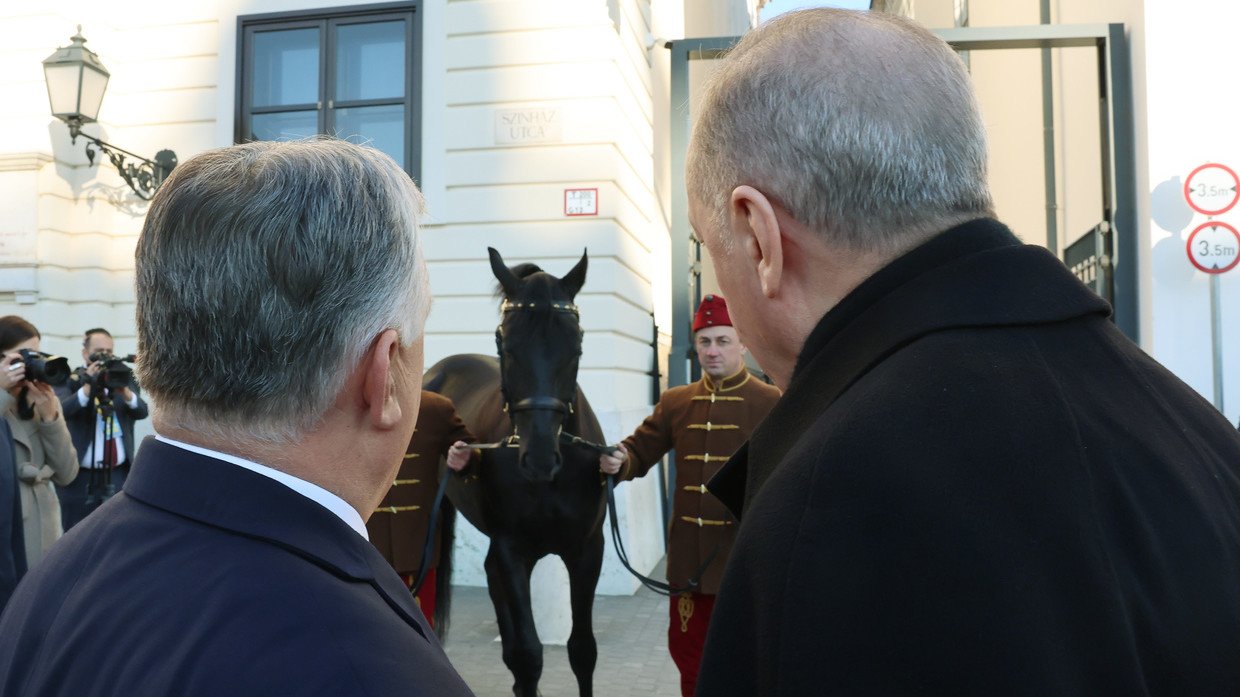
[(530, 496)]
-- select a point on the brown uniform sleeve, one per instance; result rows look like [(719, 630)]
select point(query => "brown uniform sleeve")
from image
[(457, 430), (648, 444)]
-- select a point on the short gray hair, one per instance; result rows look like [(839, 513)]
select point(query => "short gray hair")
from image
[(263, 273), (862, 125)]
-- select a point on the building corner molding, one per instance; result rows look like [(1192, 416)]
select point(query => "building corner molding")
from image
[(24, 161)]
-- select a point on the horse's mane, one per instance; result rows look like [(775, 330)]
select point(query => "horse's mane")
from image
[(520, 271)]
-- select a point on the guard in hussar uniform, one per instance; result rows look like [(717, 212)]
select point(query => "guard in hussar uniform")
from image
[(399, 526), (705, 422)]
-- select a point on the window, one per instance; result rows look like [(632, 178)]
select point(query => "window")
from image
[(349, 72)]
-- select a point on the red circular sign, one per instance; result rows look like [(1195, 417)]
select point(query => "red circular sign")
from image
[(1201, 193), (1214, 247)]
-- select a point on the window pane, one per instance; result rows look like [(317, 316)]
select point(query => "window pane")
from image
[(289, 125), (286, 67), (381, 127), (370, 61)]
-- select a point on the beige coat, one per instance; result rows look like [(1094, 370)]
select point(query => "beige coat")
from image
[(43, 454)]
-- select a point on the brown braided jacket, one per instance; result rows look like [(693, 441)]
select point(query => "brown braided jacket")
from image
[(705, 423), (398, 526)]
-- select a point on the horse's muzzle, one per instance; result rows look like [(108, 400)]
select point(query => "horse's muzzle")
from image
[(540, 467)]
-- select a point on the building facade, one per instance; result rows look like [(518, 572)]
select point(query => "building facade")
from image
[(540, 127)]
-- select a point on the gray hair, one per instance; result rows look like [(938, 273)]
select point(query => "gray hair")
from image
[(264, 272), (862, 125)]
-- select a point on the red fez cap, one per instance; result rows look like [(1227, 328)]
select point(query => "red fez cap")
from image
[(713, 312)]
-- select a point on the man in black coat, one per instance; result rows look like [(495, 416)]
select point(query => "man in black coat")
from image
[(974, 484), (285, 362), (81, 399)]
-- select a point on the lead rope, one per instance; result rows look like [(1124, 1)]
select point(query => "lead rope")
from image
[(659, 587), (429, 545)]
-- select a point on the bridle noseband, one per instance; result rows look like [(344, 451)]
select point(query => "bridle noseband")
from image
[(538, 403)]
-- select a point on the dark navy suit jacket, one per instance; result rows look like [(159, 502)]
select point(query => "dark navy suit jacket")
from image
[(12, 541), (203, 578)]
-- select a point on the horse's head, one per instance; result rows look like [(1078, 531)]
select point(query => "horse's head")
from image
[(539, 341)]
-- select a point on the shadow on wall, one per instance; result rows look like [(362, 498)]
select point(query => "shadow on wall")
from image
[(71, 157), (1170, 212)]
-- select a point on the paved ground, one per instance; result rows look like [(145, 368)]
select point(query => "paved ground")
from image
[(632, 645)]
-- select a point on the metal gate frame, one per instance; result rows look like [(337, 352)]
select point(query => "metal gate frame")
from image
[(1116, 138)]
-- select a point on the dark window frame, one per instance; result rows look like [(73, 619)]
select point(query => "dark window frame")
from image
[(326, 20)]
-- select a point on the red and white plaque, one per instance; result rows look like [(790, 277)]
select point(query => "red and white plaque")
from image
[(580, 202)]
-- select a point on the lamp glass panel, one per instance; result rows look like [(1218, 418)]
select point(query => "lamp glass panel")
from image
[(94, 83), (62, 87), (287, 125), (286, 67), (381, 127), (370, 61)]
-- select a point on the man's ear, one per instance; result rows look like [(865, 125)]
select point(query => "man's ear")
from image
[(379, 385), (756, 228)]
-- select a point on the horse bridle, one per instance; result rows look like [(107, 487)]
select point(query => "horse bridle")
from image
[(541, 402), (553, 404)]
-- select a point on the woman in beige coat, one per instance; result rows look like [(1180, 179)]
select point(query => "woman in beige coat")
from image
[(43, 451)]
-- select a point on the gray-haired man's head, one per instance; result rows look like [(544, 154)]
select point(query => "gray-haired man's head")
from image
[(264, 272), (862, 126)]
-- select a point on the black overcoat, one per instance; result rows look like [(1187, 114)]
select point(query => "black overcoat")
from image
[(976, 485)]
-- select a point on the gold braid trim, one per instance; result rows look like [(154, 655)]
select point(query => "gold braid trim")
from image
[(685, 607), (705, 522), (706, 458)]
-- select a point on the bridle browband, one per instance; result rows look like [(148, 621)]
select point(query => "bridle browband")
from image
[(509, 306), (540, 403)]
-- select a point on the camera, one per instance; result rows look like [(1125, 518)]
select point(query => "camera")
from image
[(114, 374), (43, 367)]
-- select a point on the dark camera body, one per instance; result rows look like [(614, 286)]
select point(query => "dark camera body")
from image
[(43, 367), (114, 374)]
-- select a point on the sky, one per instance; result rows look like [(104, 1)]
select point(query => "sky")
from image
[(775, 7)]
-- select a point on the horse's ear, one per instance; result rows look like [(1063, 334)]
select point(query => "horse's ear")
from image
[(507, 279), (575, 279)]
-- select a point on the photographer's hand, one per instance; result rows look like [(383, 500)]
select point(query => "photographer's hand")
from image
[(42, 397), (127, 395), (92, 371), (12, 371)]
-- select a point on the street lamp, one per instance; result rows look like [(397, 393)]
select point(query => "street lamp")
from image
[(76, 81)]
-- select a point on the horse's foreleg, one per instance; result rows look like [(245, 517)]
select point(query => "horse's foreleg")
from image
[(508, 580), (583, 570)]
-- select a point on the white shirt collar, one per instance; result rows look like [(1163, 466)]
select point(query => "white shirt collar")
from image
[(314, 492)]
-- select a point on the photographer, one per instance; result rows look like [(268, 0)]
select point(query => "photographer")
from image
[(84, 398), (43, 453)]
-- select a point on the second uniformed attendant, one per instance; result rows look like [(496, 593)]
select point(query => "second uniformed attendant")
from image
[(705, 423), (399, 526)]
